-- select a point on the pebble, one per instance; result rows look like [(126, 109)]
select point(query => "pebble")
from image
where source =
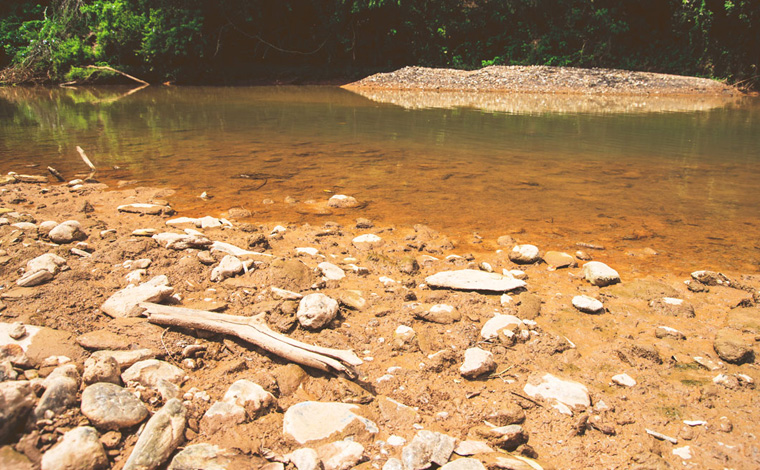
[(427, 448), (67, 232), (299, 419), (150, 371), (668, 332), (316, 310), (249, 395), (47, 262), (477, 362), (124, 303), (558, 259), (80, 449), (469, 447), (222, 415), (731, 347), (18, 331), (352, 299), (368, 241), (524, 254), (440, 313), (331, 272), (230, 266), (340, 455), (464, 464), (147, 209), (341, 201), (305, 459), (499, 322), (474, 280), (588, 304), (109, 406), (101, 369), (161, 435), (599, 274), (683, 452), (624, 380), (17, 398)]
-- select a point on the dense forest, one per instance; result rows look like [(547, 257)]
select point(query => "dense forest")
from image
[(241, 41)]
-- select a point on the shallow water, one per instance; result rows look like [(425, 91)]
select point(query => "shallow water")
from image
[(678, 176)]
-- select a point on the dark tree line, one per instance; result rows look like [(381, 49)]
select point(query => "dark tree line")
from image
[(228, 41)]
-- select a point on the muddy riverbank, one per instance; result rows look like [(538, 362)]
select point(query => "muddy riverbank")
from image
[(510, 374)]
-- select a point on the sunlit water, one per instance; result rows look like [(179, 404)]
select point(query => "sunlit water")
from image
[(678, 176)]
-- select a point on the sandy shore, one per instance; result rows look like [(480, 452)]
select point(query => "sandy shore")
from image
[(687, 398), (543, 79)]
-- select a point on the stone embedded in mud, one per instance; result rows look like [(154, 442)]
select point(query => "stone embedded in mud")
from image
[(427, 448), (80, 449), (570, 393), (162, 434), (67, 232), (507, 437), (624, 380), (668, 332), (440, 313), (299, 419), (101, 369), (499, 322), (146, 209), (472, 279), (209, 457), (587, 304), (109, 406), (222, 415), (340, 455), (731, 347), (124, 303), (352, 299), (16, 401), (249, 395), (711, 278), (524, 254), (316, 310), (149, 372), (464, 464), (126, 359), (599, 274), (368, 241), (558, 259), (230, 266), (477, 362), (672, 307), (331, 272), (341, 201)]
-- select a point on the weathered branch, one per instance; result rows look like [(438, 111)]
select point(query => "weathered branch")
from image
[(111, 69), (85, 159), (254, 331)]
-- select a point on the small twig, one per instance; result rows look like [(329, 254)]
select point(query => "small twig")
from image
[(527, 398), (171, 356), (85, 159), (500, 374)]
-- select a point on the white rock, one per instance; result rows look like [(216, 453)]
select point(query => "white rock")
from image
[(367, 241), (624, 380), (299, 420), (46, 226), (316, 310), (477, 362), (80, 449), (161, 435), (587, 304), (208, 222), (340, 455), (498, 322), (466, 448), (125, 359), (222, 415), (599, 274), (124, 303), (395, 441), (464, 464), (206, 457), (283, 294), (34, 278), (101, 369), (307, 250), (230, 266), (181, 221), (524, 254), (473, 279), (134, 278), (305, 459), (28, 226), (427, 448), (683, 452), (150, 371), (567, 392), (47, 262), (341, 201), (67, 232), (331, 272), (393, 464), (249, 395), (149, 209)]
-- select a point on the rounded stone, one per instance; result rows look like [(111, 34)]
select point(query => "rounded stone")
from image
[(524, 254), (80, 449), (316, 310), (109, 406)]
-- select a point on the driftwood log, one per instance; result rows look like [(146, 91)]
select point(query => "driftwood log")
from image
[(253, 330)]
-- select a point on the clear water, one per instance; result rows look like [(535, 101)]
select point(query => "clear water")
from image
[(679, 176)]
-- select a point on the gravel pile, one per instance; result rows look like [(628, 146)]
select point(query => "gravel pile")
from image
[(542, 79)]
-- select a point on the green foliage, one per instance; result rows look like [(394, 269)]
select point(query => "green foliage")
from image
[(205, 39)]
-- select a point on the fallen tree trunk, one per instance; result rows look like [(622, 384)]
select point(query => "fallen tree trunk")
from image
[(254, 331)]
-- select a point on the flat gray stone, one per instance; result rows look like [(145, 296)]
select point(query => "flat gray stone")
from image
[(567, 392), (161, 435), (472, 279), (124, 303), (587, 304), (299, 420), (150, 371), (599, 274), (109, 406), (80, 449), (48, 262)]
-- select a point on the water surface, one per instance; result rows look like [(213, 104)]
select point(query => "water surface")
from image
[(678, 176)]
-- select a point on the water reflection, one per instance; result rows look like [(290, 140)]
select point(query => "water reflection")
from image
[(539, 103)]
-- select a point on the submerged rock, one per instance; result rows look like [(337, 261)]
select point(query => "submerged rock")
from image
[(472, 279), (341, 201)]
